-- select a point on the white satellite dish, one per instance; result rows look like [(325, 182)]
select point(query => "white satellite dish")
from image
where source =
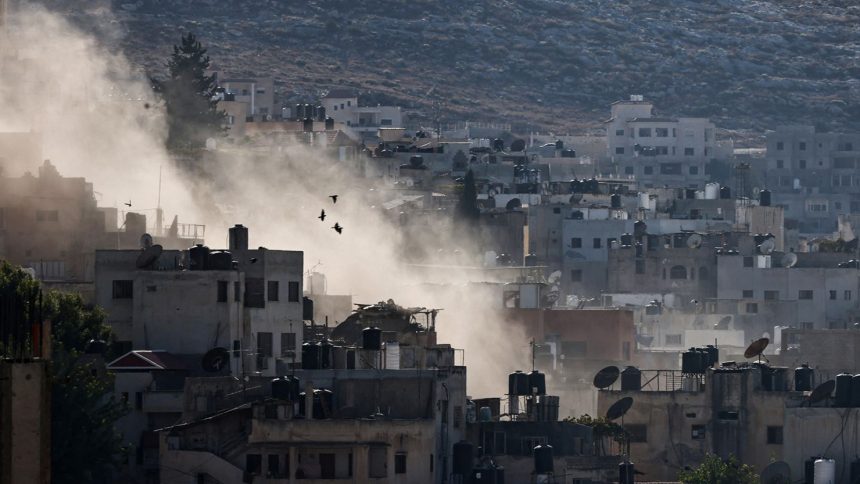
[(767, 246), (789, 259), (694, 241), (554, 277)]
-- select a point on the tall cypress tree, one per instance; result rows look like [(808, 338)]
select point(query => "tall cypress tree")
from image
[(189, 95), (467, 208)]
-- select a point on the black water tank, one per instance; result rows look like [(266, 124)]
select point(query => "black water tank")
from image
[(537, 383), (640, 228), (691, 362), (220, 260), (518, 383), (725, 192), (286, 388), (238, 237), (690, 194), (95, 347), (803, 378), (371, 339), (568, 153), (631, 379), (307, 308), (462, 461), (323, 403), (626, 473), (854, 474), (310, 356), (809, 470), (713, 355), (543, 459), (531, 260), (779, 379), (308, 125), (498, 144), (576, 186), (855, 391), (593, 186), (559, 145), (416, 161), (626, 240), (198, 257), (764, 198), (326, 349), (843, 390), (299, 113), (329, 124), (766, 375), (615, 201), (320, 113)]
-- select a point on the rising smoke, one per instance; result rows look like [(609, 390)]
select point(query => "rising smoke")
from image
[(97, 118)]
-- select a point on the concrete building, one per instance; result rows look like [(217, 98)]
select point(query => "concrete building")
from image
[(252, 306), (656, 150), (256, 94), (342, 106)]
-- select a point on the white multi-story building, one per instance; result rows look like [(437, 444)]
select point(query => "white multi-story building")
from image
[(342, 106), (659, 150)]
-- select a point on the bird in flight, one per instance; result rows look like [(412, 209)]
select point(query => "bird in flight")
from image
[(333, 198), (322, 216), (128, 203), (337, 228)]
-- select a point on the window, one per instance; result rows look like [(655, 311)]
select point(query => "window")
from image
[(832, 295), (748, 293), (637, 432), (619, 150), (671, 168), (774, 435), (698, 432), (254, 296), (804, 294), (771, 295), (780, 164), (47, 215), (556, 210), (648, 170), (619, 132), (138, 400), (264, 344), (673, 340), (802, 146), (661, 132), (644, 132), (694, 170), (253, 463), (288, 343), (273, 468), (400, 463), (273, 290), (640, 266), (661, 150), (780, 146), (576, 243), (689, 151), (385, 122), (222, 291), (341, 105), (576, 275), (727, 415), (846, 295), (293, 291), (123, 289), (752, 308), (802, 164), (807, 326), (678, 272), (237, 291), (376, 458), (327, 465), (748, 261), (596, 243)]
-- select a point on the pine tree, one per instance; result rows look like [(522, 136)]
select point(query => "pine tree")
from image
[(189, 96)]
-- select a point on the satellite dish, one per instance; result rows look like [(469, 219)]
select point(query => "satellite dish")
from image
[(145, 241), (148, 256), (513, 204), (767, 247), (554, 277), (777, 472), (518, 145), (215, 360), (789, 260), (694, 241), (822, 392), (606, 377), (756, 348), (619, 408)]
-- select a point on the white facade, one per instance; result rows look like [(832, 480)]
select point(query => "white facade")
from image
[(362, 118)]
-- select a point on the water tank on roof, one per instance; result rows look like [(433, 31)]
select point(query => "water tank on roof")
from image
[(626, 472), (803, 378), (842, 395), (543, 459), (238, 236), (220, 260), (537, 383), (308, 125), (559, 145), (631, 379), (593, 186), (462, 461), (640, 228), (855, 391), (310, 356), (689, 194), (326, 356), (198, 257), (568, 153), (320, 113), (371, 339), (416, 161), (626, 240), (286, 388), (713, 355), (764, 198), (712, 191), (725, 192), (329, 124), (691, 362), (576, 186), (825, 471), (299, 113), (498, 144), (615, 201), (323, 403), (518, 383)]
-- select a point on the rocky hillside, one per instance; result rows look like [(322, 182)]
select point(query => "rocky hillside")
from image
[(550, 63)]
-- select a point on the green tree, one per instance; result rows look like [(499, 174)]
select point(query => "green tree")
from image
[(189, 96), (714, 470), (467, 207), (85, 447)]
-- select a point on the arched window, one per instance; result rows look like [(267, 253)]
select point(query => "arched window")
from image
[(678, 272), (703, 273)]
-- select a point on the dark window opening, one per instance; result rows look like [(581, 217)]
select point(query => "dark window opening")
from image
[(253, 464), (774, 435), (698, 432), (222, 291), (400, 463), (123, 289), (254, 297), (327, 466), (293, 291), (576, 243), (273, 291), (727, 415)]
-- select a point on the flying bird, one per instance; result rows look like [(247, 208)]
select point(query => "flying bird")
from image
[(128, 203), (322, 216), (337, 228), (333, 198)]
